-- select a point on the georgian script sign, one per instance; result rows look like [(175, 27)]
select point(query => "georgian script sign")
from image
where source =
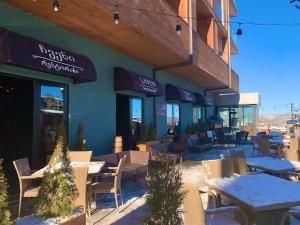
[(26, 52), (174, 93), (203, 100), (187, 96), (130, 81)]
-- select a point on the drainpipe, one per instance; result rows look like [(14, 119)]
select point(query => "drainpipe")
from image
[(189, 61)]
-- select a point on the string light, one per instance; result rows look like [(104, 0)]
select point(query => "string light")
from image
[(55, 5), (239, 31), (178, 26), (287, 24), (116, 14)]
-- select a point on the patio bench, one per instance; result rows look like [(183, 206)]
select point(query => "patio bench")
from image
[(136, 162), (197, 144)]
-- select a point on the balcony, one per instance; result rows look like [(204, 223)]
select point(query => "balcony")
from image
[(144, 35)]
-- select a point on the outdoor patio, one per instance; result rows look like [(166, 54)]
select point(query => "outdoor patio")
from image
[(134, 206)]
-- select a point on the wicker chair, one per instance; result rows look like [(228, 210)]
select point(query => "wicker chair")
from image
[(217, 169), (25, 177), (194, 213), (265, 147), (80, 156), (84, 189), (236, 154), (239, 166), (111, 187), (285, 216)]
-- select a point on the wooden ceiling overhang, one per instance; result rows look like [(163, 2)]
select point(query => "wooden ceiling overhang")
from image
[(146, 35)]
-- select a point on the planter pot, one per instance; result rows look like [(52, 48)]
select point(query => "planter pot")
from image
[(75, 219), (142, 147), (78, 220)]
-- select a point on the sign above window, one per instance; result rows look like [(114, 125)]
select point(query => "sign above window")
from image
[(26, 52), (174, 93), (131, 81)]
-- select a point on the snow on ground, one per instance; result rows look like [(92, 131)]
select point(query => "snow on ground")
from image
[(134, 196)]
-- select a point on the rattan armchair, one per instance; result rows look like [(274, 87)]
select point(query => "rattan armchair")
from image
[(217, 169), (111, 187), (25, 177), (80, 156), (84, 189), (194, 213), (285, 216)]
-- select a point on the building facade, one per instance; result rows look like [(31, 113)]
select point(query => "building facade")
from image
[(239, 111), (110, 77)]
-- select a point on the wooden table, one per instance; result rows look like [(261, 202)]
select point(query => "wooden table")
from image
[(263, 197), (94, 168), (276, 166)]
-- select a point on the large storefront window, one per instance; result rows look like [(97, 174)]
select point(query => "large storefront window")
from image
[(173, 116), (239, 118), (197, 114)]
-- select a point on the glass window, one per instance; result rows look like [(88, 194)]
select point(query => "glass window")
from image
[(136, 110), (224, 114), (52, 115), (173, 116), (197, 114)]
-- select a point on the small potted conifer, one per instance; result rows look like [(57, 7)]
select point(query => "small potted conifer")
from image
[(58, 191), (4, 212), (165, 196)]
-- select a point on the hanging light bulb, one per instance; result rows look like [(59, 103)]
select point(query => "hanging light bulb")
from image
[(239, 31), (55, 5), (116, 14), (178, 27)]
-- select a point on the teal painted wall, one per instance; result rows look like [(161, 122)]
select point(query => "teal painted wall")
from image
[(94, 103)]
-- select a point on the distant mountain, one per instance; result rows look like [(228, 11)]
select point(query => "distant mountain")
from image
[(275, 119)]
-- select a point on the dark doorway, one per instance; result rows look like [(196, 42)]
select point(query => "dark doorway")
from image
[(122, 120), (16, 124), (129, 117)]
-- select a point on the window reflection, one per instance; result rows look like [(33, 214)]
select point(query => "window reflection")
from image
[(136, 110), (197, 114), (173, 117), (52, 114)]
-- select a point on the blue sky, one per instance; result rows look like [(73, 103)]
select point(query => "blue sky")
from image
[(268, 61)]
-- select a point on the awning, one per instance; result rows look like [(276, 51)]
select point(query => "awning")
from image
[(174, 93), (202, 100), (130, 81), (22, 51)]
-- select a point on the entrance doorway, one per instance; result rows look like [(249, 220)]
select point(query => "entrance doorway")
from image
[(30, 113), (129, 117), (16, 126)]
